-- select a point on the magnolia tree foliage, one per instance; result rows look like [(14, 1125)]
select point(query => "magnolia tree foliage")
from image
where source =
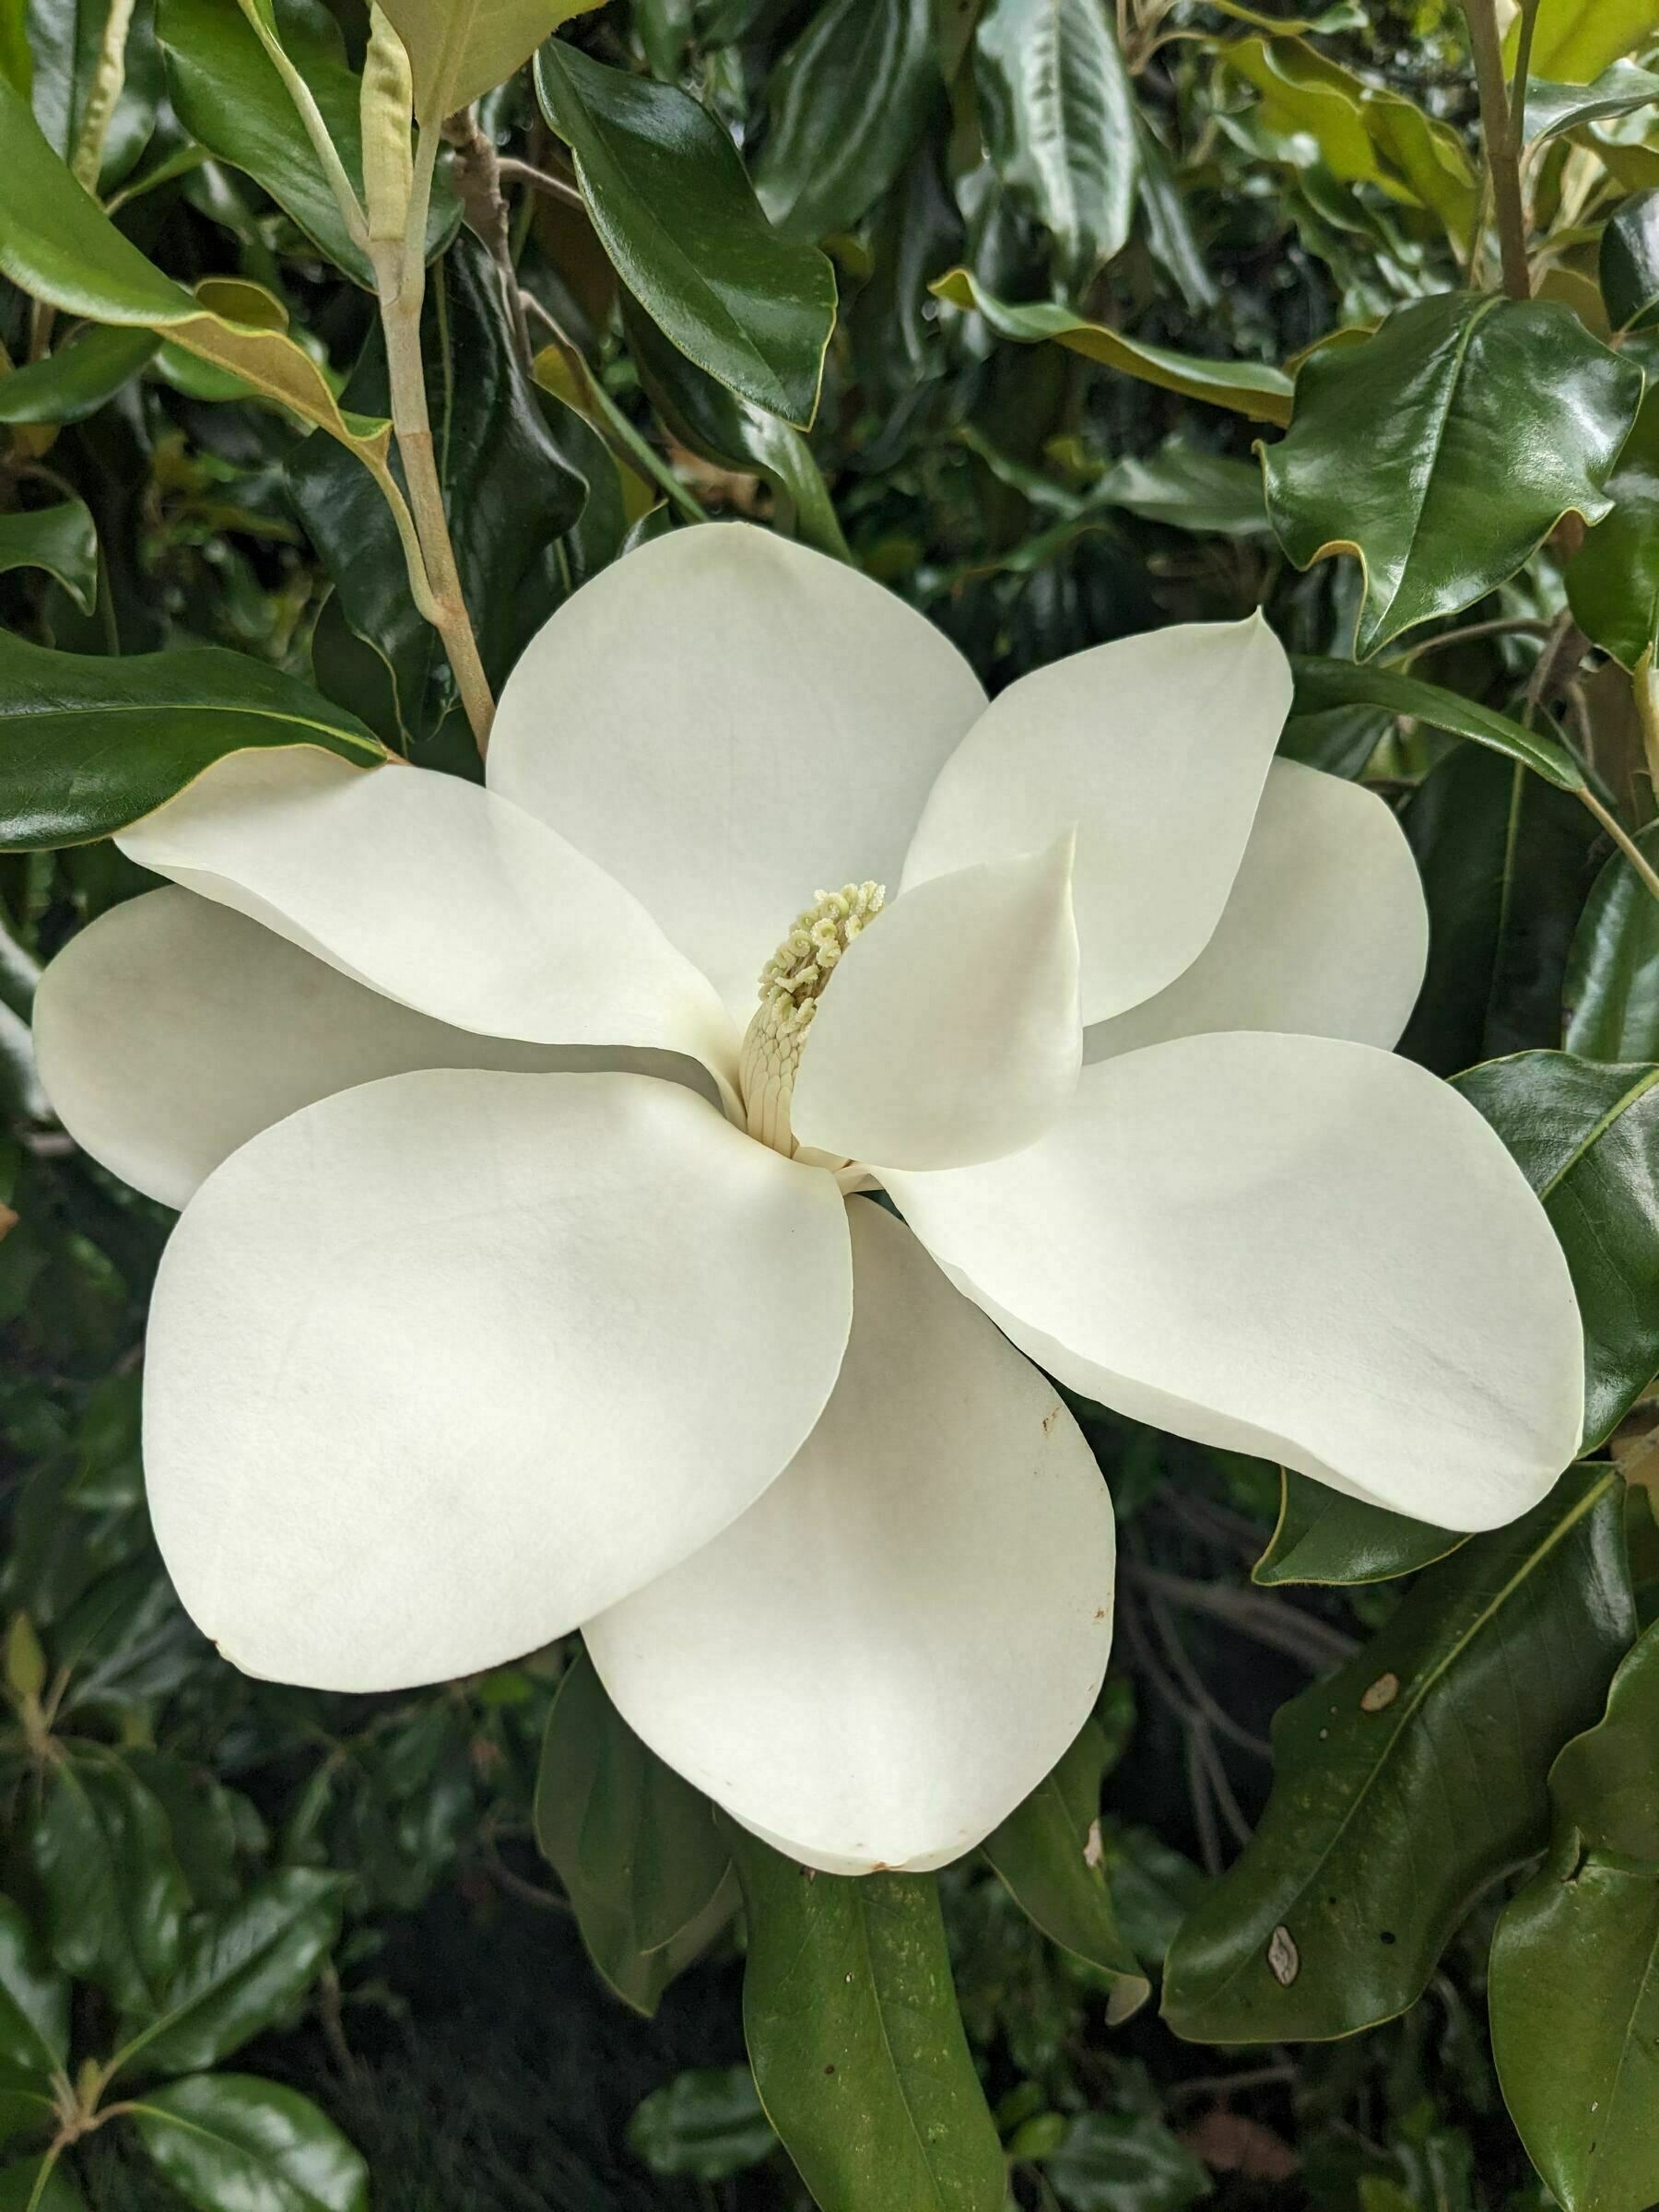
[(830, 1040)]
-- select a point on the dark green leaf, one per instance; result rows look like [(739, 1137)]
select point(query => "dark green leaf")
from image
[(1323, 685), (1613, 580), (1177, 485), (856, 2042), (1322, 1536), (1444, 450), (1410, 1780), (1586, 1137), (1059, 121), (1630, 261), (1575, 1964), (847, 101), (224, 2139), (65, 38), (1613, 971), (669, 196), (75, 381), (63, 540), (34, 2002), (636, 1847), (88, 744), (115, 1899), (1124, 2162), (507, 490), (1049, 1854), (706, 2123), (22, 2190), (1552, 108)]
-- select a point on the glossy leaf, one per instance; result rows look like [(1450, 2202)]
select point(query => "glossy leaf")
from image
[(1627, 263), (1612, 989), (1586, 1137), (115, 1899), (1409, 1779), (88, 744), (1574, 1985), (832, 149), (855, 2041), (1575, 40), (1553, 107), (229, 95), (1487, 420), (1124, 2162), (1059, 123), (668, 198), (635, 1846), (461, 49), (706, 2123), (1245, 387), (1186, 489), (1322, 1536), (223, 2139), (74, 383), (1048, 1853), (1613, 581), (1323, 685), (63, 540), (508, 491), (34, 2002), (240, 1969), (65, 38)]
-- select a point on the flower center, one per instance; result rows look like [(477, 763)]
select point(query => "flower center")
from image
[(791, 983)]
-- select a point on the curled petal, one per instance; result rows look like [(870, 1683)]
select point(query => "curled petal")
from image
[(1294, 1246), (729, 723), (1155, 748), (886, 1654), (440, 1365)]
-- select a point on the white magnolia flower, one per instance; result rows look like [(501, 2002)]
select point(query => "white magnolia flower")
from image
[(455, 1349)]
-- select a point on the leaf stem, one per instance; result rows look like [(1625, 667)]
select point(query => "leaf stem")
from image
[(1502, 147), (1623, 839), (316, 129)]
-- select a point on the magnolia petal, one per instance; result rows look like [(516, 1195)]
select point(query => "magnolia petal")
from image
[(1326, 932), (442, 1365), (949, 1032), (1294, 1246), (1156, 747), (171, 1031), (438, 894), (881, 1658), (729, 723)]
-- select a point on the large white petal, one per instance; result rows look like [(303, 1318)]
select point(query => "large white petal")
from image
[(171, 1031), (438, 894), (1326, 932), (729, 724), (1155, 747), (949, 1030), (440, 1365), (1294, 1246), (880, 1659)]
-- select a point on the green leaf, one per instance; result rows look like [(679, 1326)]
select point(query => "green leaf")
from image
[(635, 1846), (1059, 123), (240, 1969), (668, 198), (731, 430), (1323, 685), (1322, 1536), (224, 2139), (115, 1899), (226, 92), (508, 492), (706, 2123), (74, 383), (856, 2043), (1574, 1985), (1367, 135), (1410, 1780), (847, 104), (1185, 488), (461, 49), (1049, 1856), (1505, 859), (34, 2002), (1124, 2162), (1553, 107), (22, 2189), (61, 540), (88, 744), (1613, 580), (1627, 263), (1444, 450), (1586, 1137), (65, 39), (1612, 990), (1246, 387), (1575, 40)]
